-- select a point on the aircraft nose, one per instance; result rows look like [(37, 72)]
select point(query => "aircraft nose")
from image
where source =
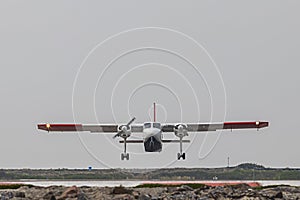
[(152, 131)]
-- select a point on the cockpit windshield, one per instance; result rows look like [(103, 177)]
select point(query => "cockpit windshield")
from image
[(152, 125), (156, 125), (147, 125)]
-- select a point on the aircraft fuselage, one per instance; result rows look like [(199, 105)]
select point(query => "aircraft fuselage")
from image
[(152, 137)]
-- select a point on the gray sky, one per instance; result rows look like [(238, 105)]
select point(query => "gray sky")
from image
[(254, 44)]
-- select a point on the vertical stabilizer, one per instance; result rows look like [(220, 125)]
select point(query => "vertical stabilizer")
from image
[(154, 112)]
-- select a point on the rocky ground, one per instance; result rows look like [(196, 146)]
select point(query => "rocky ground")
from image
[(241, 191)]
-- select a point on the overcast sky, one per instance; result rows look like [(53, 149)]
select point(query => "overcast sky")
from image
[(104, 62)]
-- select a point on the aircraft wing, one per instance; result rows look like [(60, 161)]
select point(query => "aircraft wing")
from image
[(198, 127), (93, 128)]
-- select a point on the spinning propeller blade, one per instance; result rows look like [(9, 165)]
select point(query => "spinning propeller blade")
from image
[(130, 122)]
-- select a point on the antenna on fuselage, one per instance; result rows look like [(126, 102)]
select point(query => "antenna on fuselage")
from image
[(154, 112)]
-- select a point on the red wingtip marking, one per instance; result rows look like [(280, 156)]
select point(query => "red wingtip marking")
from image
[(254, 124), (60, 127)]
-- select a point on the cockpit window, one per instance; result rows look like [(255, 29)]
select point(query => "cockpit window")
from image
[(147, 125), (156, 125)]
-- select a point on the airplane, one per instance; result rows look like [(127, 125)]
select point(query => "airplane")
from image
[(152, 131)]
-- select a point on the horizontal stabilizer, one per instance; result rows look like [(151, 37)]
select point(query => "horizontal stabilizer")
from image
[(132, 141), (164, 141), (175, 141)]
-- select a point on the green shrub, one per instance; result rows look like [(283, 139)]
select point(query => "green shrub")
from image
[(12, 186)]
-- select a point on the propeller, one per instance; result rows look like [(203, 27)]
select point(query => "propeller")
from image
[(180, 127), (130, 122), (180, 130), (124, 128)]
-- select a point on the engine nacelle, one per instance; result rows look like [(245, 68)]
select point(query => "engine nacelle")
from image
[(180, 130), (125, 131)]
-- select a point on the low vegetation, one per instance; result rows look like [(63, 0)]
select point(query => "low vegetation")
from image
[(246, 171), (13, 186)]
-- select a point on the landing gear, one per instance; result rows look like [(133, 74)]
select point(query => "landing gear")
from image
[(124, 132), (180, 154), (180, 131), (125, 155)]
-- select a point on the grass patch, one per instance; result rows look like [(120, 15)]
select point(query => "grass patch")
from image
[(12, 186), (196, 185)]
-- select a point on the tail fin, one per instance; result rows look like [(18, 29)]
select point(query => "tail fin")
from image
[(154, 112)]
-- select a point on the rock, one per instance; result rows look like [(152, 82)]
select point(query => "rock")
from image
[(49, 196), (145, 197), (202, 190), (20, 194), (135, 194), (121, 190), (52, 197), (184, 188), (82, 196), (278, 195), (6, 195), (160, 193), (175, 193), (70, 192), (203, 198), (250, 198), (2, 197), (123, 197), (170, 189)]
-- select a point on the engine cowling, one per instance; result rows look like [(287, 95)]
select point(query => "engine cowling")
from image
[(125, 131), (180, 130)]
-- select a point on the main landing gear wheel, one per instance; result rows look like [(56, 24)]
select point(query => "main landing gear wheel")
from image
[(181, 155), (125, 156)]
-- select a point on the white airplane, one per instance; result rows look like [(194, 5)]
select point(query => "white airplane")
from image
[(152, 131)]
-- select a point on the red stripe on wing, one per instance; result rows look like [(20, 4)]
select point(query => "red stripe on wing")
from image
[(60, 127), (241, 125)]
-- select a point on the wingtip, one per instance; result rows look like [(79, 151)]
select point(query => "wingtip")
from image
[(263, 124), (42, 127)]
